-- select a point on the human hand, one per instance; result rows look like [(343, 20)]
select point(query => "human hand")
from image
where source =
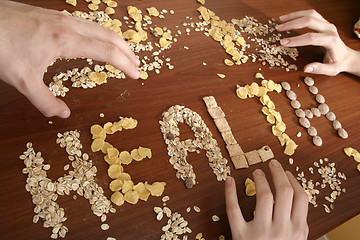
[(338, 57), (286, 219), (31, 38)]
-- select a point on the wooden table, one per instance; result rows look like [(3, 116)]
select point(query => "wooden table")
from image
[(20, 122)]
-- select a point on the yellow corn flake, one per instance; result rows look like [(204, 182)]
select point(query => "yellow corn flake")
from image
[(250, 187), (144, 75), (265, 110), (167, 35), (271, 85), (228, 62), (262, 92), (241, 93), (259, 75), (204, 13), (270, 118), (97, 144), (112, 161), (116, 22), (131, 197), (114, 171), (358, 167), (156, 189), (254, 89), (265, 99), (278, 88), (72, 2), (220, 75), (134, 13), (132, 36), (107, 24), (201, 1), (357, 157), (125, 157), (158, 31), (107, 128), (116, 127), (111, 68), (276, 114), (164, 43), (117, 198), (153, 11), (281, 126), (276, 132), (128, 123), (135, 155), (96, 130), (113, 152), (124, 176), (290, 147), (350, 152), (115, 185), (143, 192), (105, 147), (282, 140), (112, 4), (270, 104), (109, 10), (138, 26), (127, 186), (93, 7), (240, 41), (145, 152), (98, 77)]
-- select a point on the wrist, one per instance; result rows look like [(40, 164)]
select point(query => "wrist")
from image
[(352, 63)]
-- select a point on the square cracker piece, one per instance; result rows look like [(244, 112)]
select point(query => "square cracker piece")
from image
[(253, 157), (222, 124), (210, 102), (234, 150), (265, 153), (216, 112), (239, 161), (228, 138)]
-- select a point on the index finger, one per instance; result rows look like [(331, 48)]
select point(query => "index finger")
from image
[(303, 13), (236, 219)]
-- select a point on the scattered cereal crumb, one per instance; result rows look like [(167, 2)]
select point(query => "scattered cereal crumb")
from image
[(215, 218), (102, 115), (220, 75), (50, 122), (105, 226), (197, 209), (298, 134)]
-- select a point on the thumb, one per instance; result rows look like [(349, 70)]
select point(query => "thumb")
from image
[(41, 97), (329, 69)]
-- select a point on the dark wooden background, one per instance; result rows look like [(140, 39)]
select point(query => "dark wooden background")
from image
[(20, 122)]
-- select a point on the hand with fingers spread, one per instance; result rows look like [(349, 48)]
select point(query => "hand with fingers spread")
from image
[(338, 57), (286, 219), (31, 38)]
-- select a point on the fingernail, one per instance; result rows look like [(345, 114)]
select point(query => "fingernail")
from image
[(137, 74), (275, 163), (289, 174), (280, 26), (228, 181), (309, 69), (283, 17), (137, 62), (65, 114), (284, 41), (259, 172)]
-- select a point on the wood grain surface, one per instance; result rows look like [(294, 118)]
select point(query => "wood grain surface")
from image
[(145, 101)]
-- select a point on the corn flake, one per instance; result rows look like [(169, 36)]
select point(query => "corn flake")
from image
[(145, 152), (72, 2), (115, 171), (124, 176), (131, 197), (125, 157), (156, 189), (220, 75), (117, 198), (143, 192), (153, 11), (144, 75), (115, 185), (97, 144), (135, 155), (250, 187), (127, 186)]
